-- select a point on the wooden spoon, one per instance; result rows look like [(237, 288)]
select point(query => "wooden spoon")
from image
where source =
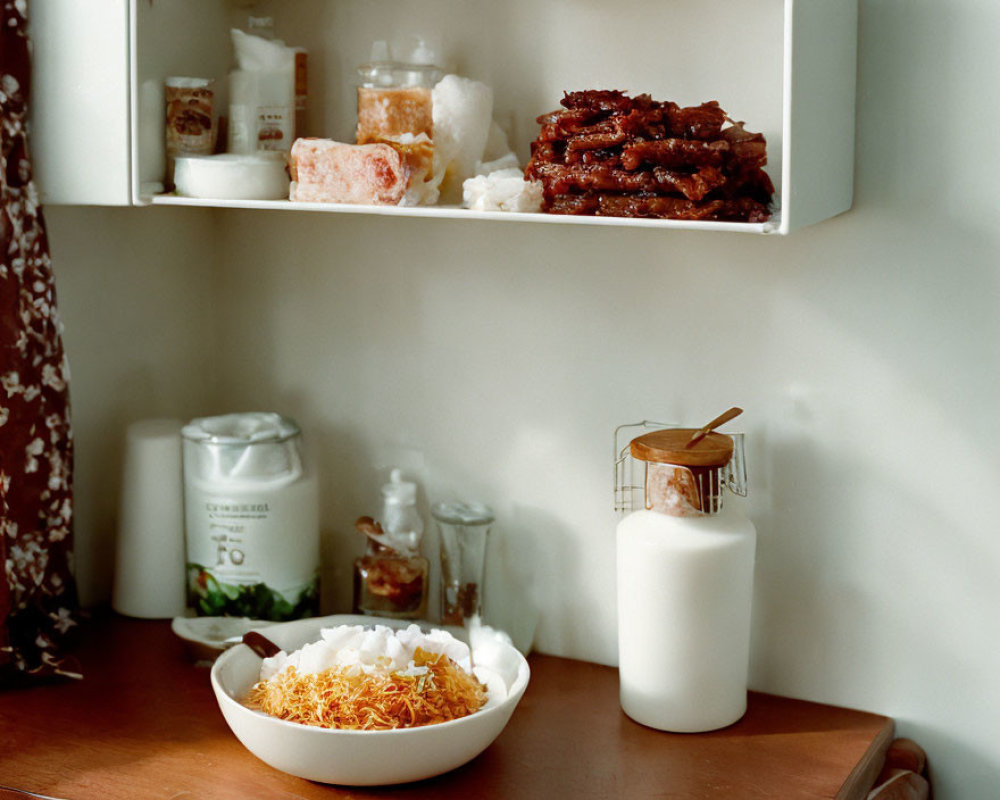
[(722, 419), (260, 644)]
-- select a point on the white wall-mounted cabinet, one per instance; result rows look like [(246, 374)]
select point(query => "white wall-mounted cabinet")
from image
[(786, 67), (81, 129)]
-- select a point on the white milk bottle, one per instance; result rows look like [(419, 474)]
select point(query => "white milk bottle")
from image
[(685, 583)]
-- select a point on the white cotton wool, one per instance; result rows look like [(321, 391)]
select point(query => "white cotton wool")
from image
[(502, 190), (377, 649), (463, 117)]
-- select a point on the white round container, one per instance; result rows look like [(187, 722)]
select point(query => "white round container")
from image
[(229, 176)]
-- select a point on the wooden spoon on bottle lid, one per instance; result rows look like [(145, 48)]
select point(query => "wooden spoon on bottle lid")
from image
[(722, 419)]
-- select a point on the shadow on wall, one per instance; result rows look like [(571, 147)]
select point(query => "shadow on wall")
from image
[(876, 587), (348, 490)]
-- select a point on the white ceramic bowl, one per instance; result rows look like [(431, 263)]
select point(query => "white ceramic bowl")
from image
[(366, 758), (229, 176)]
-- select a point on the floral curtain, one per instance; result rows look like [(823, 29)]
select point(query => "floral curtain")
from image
[(37, 590)]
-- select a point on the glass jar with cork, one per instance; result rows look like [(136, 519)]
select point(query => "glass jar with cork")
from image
[(685, 582), (390, 579)]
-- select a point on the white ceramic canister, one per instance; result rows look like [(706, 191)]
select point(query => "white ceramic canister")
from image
[(149, 550), (685, 585), (261, 95), (251, 518)]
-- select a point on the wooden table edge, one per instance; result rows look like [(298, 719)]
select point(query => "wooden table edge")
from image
[(862, 778)]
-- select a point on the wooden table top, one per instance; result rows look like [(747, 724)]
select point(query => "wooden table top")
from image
[(144, 724)]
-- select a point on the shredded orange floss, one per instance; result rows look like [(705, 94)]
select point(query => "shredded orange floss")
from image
[(351, 700)]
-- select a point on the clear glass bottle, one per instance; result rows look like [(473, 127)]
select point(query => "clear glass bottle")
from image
[(685, 584), (390, 579), (464, 531)]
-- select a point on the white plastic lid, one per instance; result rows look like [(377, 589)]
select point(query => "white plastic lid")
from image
[(398, 491), (251, 427)]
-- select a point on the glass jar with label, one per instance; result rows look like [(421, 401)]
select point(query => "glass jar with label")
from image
[(190, 119), (251, 518)]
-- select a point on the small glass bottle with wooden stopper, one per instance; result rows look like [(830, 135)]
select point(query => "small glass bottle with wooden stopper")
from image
[(390, 579), (685, 583)]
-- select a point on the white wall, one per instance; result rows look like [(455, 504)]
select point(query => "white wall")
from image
[(494, 360), (136, 294)]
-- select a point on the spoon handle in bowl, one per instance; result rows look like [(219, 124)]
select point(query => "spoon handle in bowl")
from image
[(260, 644)]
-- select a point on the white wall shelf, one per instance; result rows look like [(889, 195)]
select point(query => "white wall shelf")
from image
[(455, 212), (786, 67)]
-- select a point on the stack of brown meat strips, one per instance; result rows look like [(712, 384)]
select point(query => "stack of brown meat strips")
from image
[(608, 154)]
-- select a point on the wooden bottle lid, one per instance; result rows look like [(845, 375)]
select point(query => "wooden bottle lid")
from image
[(671, 446)]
